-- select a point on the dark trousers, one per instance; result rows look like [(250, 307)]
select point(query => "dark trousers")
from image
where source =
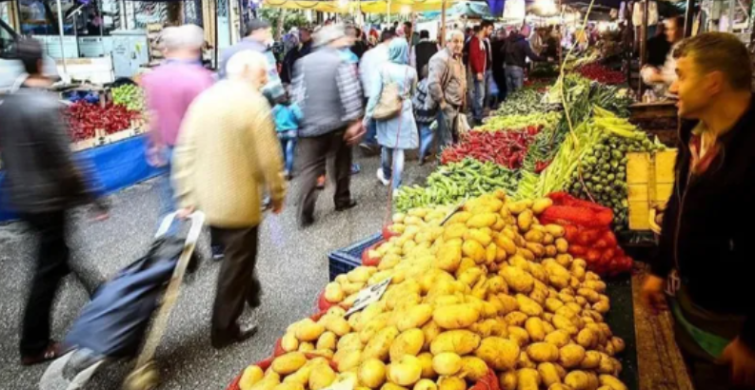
[(50, 268), (237, 280), (314, 153)]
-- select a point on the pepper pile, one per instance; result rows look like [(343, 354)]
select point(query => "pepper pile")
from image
[(85, 119), (600, 73), (455, 181), (505, 148)]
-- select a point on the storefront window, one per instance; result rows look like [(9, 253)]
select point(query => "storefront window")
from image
[(80, 17)]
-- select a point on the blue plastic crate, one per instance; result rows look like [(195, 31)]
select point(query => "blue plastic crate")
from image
[(344, 260)]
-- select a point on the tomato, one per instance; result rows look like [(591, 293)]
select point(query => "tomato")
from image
[(592, 255), (570, 232), (577, 250), (610, 238)]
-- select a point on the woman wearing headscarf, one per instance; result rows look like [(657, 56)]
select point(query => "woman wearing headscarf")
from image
[(400, 132)]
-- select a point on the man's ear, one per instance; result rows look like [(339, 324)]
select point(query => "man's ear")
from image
[(714, 82)]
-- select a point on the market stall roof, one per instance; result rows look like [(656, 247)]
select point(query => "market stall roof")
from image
[(375, 6), (467, 9)]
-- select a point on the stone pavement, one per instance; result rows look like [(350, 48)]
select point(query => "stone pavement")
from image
[(292, 265)]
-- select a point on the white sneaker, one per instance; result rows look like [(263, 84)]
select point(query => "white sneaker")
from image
[(381, 178)]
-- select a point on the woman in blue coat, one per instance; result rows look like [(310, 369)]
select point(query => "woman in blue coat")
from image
[(399, 133)]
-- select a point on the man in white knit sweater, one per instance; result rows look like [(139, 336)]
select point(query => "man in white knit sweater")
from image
[(227, 153)]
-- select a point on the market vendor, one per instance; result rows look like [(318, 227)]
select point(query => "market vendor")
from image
[(659, 75), (707, 226)]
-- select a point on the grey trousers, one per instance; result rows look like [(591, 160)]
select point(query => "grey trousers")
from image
[(314, 153), (237, 280), (447, 132)]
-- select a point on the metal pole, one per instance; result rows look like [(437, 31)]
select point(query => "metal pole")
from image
[(230, 22), (688, 18), (643, 41), (442, 37), (60, 29)]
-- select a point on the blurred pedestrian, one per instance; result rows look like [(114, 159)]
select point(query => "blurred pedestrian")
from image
[(327, 90), (287, 117), (499, 74), (447, 87), (425, 114), (227, 151), (304, 48), (259, 38), (359, 47), (373, 59), (42, 183), (479, 60), (169, 91), (517, 51), (423, 51), (397, 133)]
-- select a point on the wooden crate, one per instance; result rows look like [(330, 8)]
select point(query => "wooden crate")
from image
[(650, 182)]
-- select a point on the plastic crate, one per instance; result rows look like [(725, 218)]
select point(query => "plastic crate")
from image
[(344, 260)]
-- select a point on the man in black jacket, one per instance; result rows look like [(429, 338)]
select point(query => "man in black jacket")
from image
[(293, 55), (42, 183), (423, 51), (515, 56), (707, 226)]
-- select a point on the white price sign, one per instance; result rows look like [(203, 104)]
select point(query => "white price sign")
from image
[(369, 295)]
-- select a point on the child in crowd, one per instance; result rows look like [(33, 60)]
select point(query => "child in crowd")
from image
[(424, 114), (287, 116)]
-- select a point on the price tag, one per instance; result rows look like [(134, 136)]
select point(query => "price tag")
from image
[(369, 295)]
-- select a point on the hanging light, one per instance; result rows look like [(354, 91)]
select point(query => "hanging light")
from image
[(406, 10)]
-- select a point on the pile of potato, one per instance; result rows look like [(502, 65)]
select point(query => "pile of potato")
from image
[(490, 289)]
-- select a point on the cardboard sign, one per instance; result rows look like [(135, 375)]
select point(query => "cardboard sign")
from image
[(369, 295)]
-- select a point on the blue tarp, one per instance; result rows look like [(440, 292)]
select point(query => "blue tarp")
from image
[(110, 167)]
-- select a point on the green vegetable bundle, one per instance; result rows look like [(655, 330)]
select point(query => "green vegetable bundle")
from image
[(456, 181), (517, 122), (525, 101), (129, 96)]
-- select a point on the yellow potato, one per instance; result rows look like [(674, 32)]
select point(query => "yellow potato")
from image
[(449, 257), (517, 279), (334, 293), (542, 352), (372, 373), (498, 353), (473, 368), (454, 230), (524, 220), (519, 335), (540, 205), (611, 382), (431, 330), (555, 230), (289, 363), (308, 330), (509, 303), (426, 360), (571, 355), (528, 379), (482, 220), (302, 375), (507, 380), (461, 342), (535, 328), (327, 341), (591, 361), (456, 316), (406, 371), (474, 250), (379, 346), (452, 383), (392, 386), (350, 341), (425, 384), (577, 380), (415, 317), (321, 377), (549, 374), (289, 342), (587, 338), (251, 375), (528, 306), (268, 382), (446, 363), (347, 359), (409, 342), (506, 243), (516, 318), (524, 361)]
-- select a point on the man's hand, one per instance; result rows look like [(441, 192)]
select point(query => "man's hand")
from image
[(156, 156), (185, 212), (277, 206), (443, 105), (652, 294), (354, 133), (480, 76), (742, 361)]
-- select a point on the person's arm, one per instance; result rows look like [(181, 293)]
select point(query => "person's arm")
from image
[(155, 137), (350, 92), (413, 57), (273, 90), (267, 152), (531, 54), (183, 165), (298, 92), (436, 75)]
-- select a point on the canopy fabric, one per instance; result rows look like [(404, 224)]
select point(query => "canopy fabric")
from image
[(467, 9), (367, 6)]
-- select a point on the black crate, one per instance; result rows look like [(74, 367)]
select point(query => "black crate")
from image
[(346, 259)]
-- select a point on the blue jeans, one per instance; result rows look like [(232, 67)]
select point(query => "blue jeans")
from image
[(514, 78), (478, 101), (426, 137), (371, 137), (446, 127), (392, 162), (288, 146), (167, 203)]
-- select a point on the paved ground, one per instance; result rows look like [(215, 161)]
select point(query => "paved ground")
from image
[(292, 265)]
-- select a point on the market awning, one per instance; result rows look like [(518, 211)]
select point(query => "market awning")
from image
[(374, 7)]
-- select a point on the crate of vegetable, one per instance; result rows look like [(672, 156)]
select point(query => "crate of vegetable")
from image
[(505, 148), (86, 119)]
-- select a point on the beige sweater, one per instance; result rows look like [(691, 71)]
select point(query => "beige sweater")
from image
[(227, 151)]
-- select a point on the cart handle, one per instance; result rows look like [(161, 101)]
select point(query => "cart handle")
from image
[(197, 221)]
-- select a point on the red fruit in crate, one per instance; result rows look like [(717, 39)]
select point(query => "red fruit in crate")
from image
[(577, 250), (570, 233), (592, 255), (610, 238), (600, 244), (608, 254)]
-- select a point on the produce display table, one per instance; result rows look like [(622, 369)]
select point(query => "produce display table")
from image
[(110, 168), (657, 119)]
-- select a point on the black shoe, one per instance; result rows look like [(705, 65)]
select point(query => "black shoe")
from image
[(305, 222), (217, 252), (219, 342), (352, 203)]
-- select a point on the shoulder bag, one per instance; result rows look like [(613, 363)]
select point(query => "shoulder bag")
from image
[(390, 103)]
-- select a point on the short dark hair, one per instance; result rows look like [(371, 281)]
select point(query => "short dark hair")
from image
[(477, 28), (722, 52), (486, 24), (29, 51), (254, 25), (408, 24), (424, 34), (386, 35)]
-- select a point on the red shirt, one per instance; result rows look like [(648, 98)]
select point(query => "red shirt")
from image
[(478, 55)]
